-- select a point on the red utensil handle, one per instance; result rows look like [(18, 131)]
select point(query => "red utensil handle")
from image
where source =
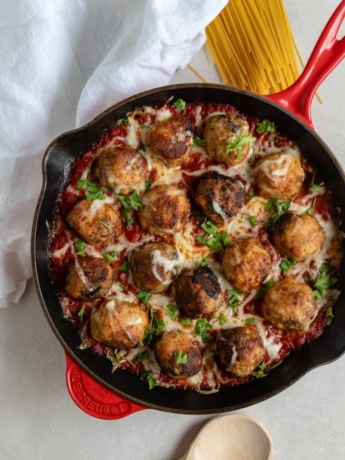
[(93, 398), (326, 55)]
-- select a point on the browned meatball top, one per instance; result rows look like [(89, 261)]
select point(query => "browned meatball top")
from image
[(154, 266), (198, 292), (279, 175), (179, 354), (246, 264), (290, 305), (166, 210), (222, 133), (298, 236), (88, 278), (220, 197), (95, 221), (119, 323), (122, 169), (171, 139), (240, 350)]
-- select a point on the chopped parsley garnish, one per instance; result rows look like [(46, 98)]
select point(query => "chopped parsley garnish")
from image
[(154, 329), (201, 328), (122, 121), (311, 209), (148, 184), (260, 373), (145, 296), (286, 264), (234, 300), (204, 262), (91, 190), (276, 209), (173, 311), (105, 224), (150, 379), (329, 312), (253, 220), (180, 104), (81, 313), (222, 319), (129, 202), (144, 356), (125, 266), (198, 142), (109, 256), (318, 188), (263, 289), (186, 321), (238, 142), (250, 320), (80, 247), (323, 282), (180, 357), (250, 195), (216, 241), (266, 126)]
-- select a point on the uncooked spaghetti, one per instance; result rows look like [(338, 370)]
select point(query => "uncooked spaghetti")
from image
[(252, 46)]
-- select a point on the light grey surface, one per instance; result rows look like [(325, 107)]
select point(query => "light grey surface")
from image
[(38, 418)]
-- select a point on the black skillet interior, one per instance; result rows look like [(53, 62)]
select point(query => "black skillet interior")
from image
[(57, 161)]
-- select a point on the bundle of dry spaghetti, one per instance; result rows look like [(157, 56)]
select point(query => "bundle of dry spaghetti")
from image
[(252, 46)]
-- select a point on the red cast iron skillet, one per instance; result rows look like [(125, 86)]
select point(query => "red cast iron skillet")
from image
[(290, 110)]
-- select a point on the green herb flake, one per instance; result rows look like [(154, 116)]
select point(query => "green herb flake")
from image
[(234, 299), (198, 142), (250, 195), (173, 311), (260, 373), (144, 356), (180, 104), (323, 282), (286, 264), (276, 209), (81, 313), (80, 247), (253, 220), (186, 321), (122, 121), (250, 320), (204, 262), (125, 266), (180, 357), (145, 296), (221, 319), (109, 256), (154, 329), (238, 142), (92, 192), (216, 241), (129, 202), (266, 126), (150, 379), (263, 289), (317, 188), (201, 328)]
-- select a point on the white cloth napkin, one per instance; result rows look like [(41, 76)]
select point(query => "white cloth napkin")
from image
[(61, 63)]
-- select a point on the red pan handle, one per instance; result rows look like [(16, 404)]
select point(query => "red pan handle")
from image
[(327, 54), (93, 398)]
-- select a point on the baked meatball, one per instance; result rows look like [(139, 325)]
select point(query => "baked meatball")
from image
[(290, 305), (171, 139), (95, 221), (220, 197), (88, 278), (279, 175), (298, 236), (121, 169), (119, 323), (178, 354), (197, 292), (240, 350), (166, 210), (246, 264), (153, 266), (220, 131)]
